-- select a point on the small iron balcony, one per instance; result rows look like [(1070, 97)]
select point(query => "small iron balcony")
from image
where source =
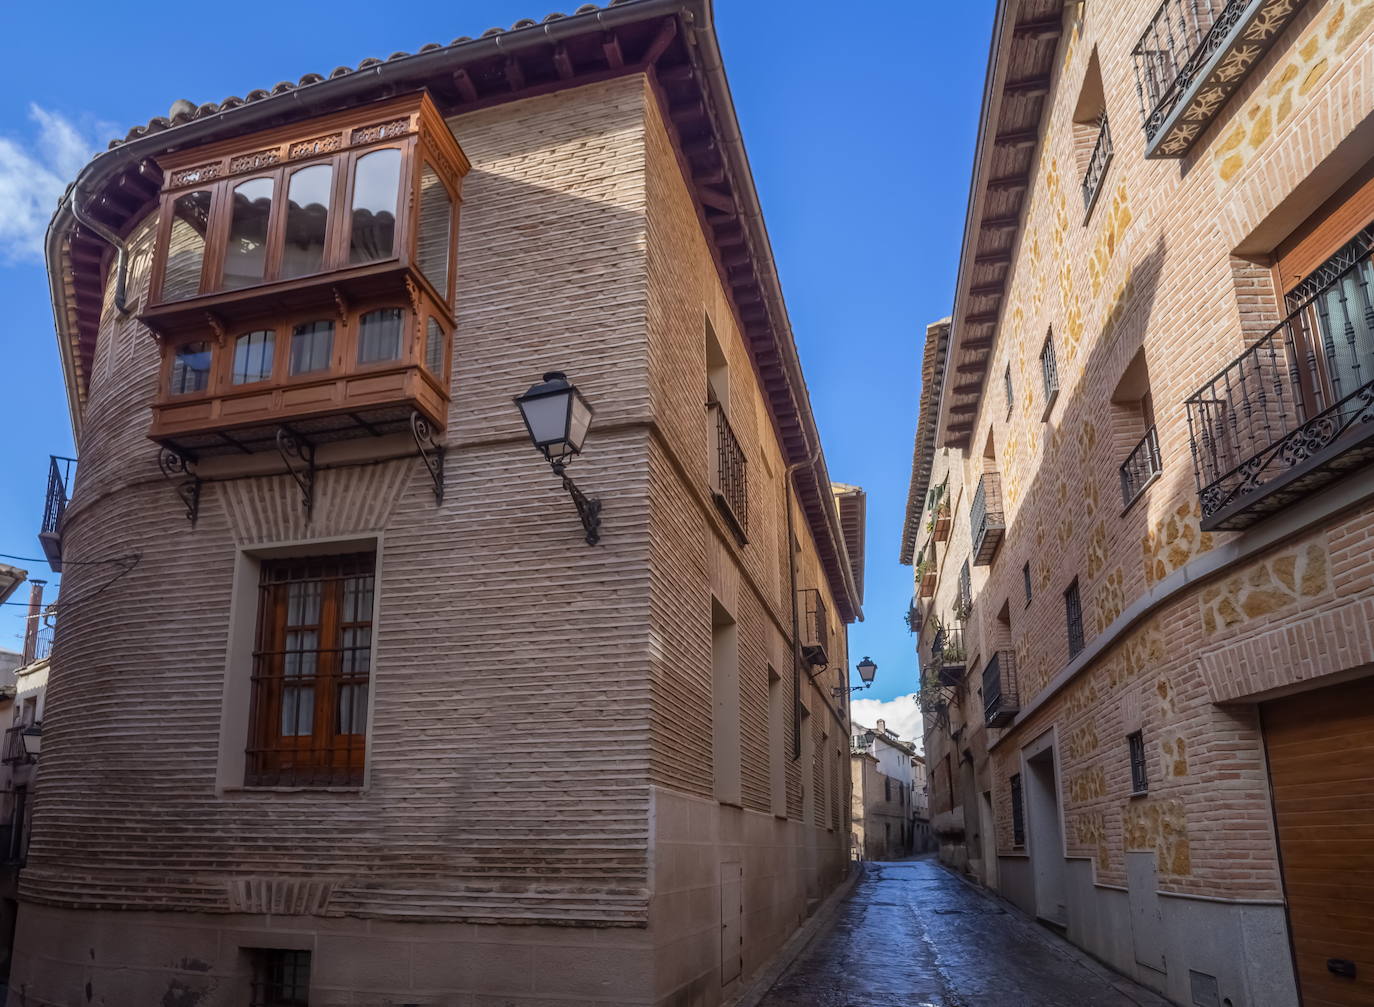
[(949, 656), (15, 752), (729, 473), (1141, 467), (985, 518), (815, 628), (1294, 412), (1191, 58), (1001, 701), (60, 474)]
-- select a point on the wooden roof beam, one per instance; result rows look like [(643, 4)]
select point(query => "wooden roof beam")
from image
[(1021, 138), (610, 47), (1007, 183), (515, 76), (562, 62), (1000, 223), (1030, 86), (666, 33), (462, 80), (991, 258), (981, 318), (988, 289), (1045, 27), (716, 199)]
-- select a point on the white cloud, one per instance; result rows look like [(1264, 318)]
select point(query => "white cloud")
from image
[(33, 175), (902, 715)]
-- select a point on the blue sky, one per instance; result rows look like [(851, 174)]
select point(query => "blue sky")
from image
[(859, 123)]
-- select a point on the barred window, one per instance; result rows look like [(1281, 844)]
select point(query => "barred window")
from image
[(281, 978), (1018, 814), (1140, 782), (1026, 581), (1073, 614), (1007, 389), (312, 667), (1049, 371)]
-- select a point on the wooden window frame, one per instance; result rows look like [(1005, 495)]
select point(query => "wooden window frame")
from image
[(318, 759)]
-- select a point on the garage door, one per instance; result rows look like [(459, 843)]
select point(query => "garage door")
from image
[(1321, 769)]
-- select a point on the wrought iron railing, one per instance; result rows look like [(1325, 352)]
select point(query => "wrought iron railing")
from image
[(60, 472), (965, 599), (1141, 467), (14, 751), (985, 518), (1097, 164), (1001, 698), (730, 480), (1289, 413), (1175, 46), (815, 621)]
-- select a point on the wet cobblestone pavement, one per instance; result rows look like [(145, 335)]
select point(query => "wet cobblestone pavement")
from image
[(913, 935)]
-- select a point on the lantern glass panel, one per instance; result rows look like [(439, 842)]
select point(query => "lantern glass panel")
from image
[(547, 417)]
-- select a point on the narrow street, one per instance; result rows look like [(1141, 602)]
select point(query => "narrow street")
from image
[(913, 935)]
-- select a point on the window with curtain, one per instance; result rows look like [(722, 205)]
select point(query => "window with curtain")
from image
[(307, 219), (312, 347), (379, 335), (186, 245), (312, 667), (190, 368), (376, 185), (253, 352), (245, 254)]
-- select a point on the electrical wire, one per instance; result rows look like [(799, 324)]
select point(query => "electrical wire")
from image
[(74, 562)]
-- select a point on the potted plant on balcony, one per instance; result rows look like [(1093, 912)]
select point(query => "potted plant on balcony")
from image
[(926, 575), (939, 522), (912, 618)]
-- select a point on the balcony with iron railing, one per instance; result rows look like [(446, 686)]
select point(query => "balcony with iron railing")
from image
[(985, 518), (815, 627), (61, 472), (1141, 468), (1098, 160), (15, 752), (1192, 56), (1001, 699), (1294, 412), (948, 656), (729, 473)]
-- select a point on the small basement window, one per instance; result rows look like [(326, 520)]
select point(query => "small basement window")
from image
[(281, 978)]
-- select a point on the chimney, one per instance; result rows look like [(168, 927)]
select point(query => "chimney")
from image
[(882, 724), (31, 627)]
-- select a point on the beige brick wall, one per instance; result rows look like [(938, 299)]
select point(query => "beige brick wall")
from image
[(1155, 266)]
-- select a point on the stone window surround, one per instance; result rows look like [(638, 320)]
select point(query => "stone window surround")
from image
[(1291, 522), (238, 667)]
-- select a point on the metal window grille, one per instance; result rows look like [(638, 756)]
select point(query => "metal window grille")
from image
[(281, 978), (1018, 814), (730, 477), (1001, 692), (965, 590), (1141, 467), (1006, 387), (1073, 613), (1140, 782), (311, 672), (1098, 160), (1297, 399), (1026, 581), (1049, 369)]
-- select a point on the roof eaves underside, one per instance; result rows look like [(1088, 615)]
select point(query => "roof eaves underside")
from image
[(1017, 92), (853, 504), (672, 41), (923, 452)]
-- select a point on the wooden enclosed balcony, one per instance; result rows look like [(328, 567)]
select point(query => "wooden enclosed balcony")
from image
[(304, 281)]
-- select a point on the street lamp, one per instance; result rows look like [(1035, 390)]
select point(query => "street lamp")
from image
[(557, 417), (33, 741), (867, 669)]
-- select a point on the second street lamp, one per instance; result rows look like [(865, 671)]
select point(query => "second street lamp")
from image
[(557, 417), (867, 669)]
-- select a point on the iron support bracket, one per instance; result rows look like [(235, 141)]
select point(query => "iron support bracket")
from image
[(299, 456), (588, 508), (180, 470), (431, 454)]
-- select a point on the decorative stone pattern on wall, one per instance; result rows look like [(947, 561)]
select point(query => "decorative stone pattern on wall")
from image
[(1264, 589)]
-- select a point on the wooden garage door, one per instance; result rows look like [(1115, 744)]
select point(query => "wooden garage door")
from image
[(1321, 769)]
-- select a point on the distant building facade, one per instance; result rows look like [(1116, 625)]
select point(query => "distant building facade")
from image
[(922, 839), (883, 798), (315, 565), (1154, 407)]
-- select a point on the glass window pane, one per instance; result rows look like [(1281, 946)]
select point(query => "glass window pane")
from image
[(190, 368), (312, 347), (436, 216), (307, 217), (245, 256), (253, 353), (376, 184), (379, 335), (434, 348), (186, 245)]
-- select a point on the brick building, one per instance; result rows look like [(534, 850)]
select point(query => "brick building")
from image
[(277, 760), (882, 794), (1149, 418)]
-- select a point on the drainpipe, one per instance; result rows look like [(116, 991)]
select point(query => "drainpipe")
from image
[(31, 626), (112, 239)]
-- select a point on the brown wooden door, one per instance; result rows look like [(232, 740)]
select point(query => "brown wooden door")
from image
[(1321, 769)]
